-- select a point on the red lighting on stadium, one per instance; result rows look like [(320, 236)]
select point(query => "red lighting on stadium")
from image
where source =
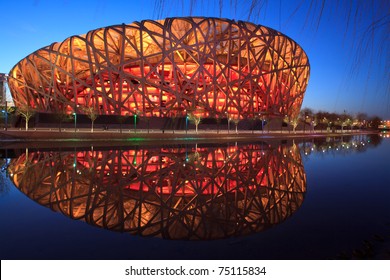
[(167, 68)]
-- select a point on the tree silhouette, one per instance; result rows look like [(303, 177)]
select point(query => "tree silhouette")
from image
[(294, 121), (192, 117), (92, 115), (121, 119), (62, 116), (26, 112), (236, 121)]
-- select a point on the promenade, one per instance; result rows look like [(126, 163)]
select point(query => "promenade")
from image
[(116, 137)]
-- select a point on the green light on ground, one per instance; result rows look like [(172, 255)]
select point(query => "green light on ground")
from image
[(136, 139)]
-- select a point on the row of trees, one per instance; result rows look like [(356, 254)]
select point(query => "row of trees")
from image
[(326, 120), (26, 112), (307, 119)]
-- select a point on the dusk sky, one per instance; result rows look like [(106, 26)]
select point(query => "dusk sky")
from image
[(339, 79)]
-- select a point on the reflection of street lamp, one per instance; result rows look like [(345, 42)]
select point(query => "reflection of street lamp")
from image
[(75, 121)]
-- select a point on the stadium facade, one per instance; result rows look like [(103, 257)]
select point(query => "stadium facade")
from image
[(168, 68)]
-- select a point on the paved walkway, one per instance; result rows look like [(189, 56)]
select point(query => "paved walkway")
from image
[(50, 138), (114, 137)]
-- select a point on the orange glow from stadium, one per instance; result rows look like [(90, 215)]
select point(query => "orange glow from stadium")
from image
[(170, 192), (166, 68)]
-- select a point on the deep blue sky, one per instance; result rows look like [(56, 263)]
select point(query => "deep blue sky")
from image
[(32, 24)]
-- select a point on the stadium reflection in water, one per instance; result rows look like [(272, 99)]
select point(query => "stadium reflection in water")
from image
[(173, 192)]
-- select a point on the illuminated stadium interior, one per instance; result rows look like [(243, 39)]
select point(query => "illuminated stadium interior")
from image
[(169, 68)]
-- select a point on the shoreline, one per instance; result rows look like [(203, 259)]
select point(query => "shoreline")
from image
[(53, 138), (15, 135)]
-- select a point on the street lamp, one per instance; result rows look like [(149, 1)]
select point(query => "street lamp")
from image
[(262, 122), (6, 119), (304, 123), (135, 123), (75, 121), (325, 121), (5, 111), (228, 120), (186, 123)]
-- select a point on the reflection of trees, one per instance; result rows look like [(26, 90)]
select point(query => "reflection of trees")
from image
[(4, 187), (173, 192), (341, 145), (3, 164)]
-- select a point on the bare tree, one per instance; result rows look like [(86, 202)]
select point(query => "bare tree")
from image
[(313, 122), (92, 115), (218, 118), (195, 119), (293, 121), (62, 116), (236, 121), (26, 112), (122, 119)]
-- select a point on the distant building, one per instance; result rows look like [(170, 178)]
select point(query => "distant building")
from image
[(384, 125), (3, 92)]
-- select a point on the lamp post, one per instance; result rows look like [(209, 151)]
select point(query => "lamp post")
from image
[(304, 123), (6, 119), (6, 114), (324, 121), (135, 123), (5, 111), (228, 120), (261, 117), (186, 123), (75, 121)]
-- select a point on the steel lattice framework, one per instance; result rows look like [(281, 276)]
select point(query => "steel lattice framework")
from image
[(167, 68), (173, 193)]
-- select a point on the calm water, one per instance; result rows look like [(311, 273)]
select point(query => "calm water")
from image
[(265, 200)]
